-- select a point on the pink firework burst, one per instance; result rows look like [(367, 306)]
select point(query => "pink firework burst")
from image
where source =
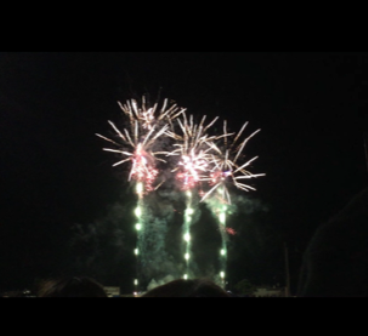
[(140, 155), (191, 168), (143, 168)]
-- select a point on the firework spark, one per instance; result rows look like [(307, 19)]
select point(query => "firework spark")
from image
[(194, 150), (147, 118), (136, 145), (224, 166)]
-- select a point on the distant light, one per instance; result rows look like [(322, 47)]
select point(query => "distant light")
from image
[(222, 252), (187, 237), (189, 194), (136, 282), (185, 276), (138, 211), (222, 218), (186, 256), (136, 251), (138, 226), (224, 208), (222, 274)]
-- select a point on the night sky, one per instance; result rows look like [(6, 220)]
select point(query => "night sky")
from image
[(54, 178)]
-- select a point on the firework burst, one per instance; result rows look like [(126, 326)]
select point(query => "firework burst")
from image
[(225, 168), (148, 117), (136, 144), (193, 146), (137, 149)]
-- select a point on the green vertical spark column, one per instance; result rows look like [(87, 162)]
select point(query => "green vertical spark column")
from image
[(186, 233), (139, 227), (222, 209)]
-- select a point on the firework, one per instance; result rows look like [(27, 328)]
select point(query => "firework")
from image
[(224, 171), (193, 146), (191, 168), (138, 152), (136, 146), (225, 168), (201, 161), (147, 118)]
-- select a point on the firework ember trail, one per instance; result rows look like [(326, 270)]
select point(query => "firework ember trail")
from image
[(225, 171), (135, 145)]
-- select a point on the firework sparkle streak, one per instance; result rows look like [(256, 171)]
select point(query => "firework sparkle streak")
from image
[(141, 158), (145, 129), (147, 117), (225, 168), (194, 150)]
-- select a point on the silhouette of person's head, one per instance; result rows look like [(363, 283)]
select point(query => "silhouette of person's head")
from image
[(187, 288), (72, 287), (335, 263)]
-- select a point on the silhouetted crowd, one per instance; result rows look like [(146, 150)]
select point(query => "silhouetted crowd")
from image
[(87, 287)]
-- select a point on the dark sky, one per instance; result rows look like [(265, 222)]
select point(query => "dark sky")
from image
[(311, 108)]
